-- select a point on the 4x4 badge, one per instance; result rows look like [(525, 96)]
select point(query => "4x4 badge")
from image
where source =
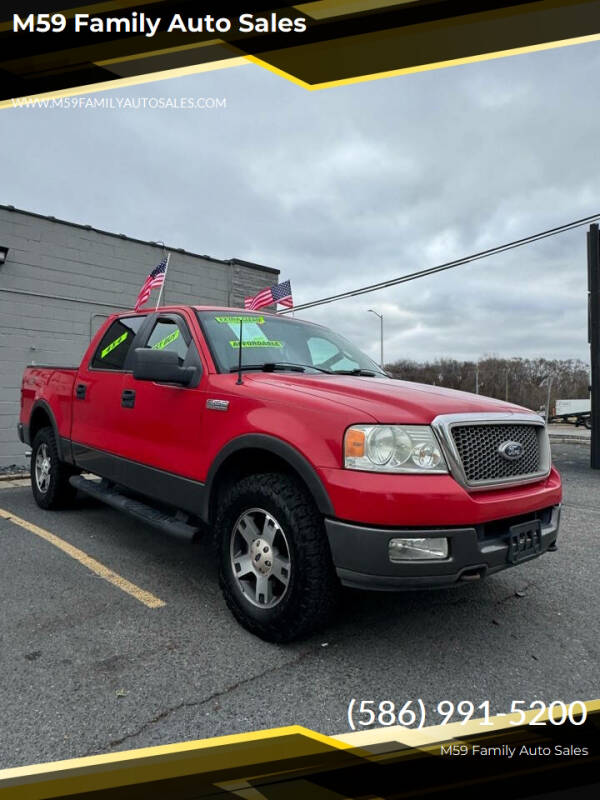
[(511, 451)]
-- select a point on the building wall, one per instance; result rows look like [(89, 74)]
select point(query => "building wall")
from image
[(60, 281)]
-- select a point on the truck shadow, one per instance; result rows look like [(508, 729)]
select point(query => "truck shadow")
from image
[(492, 613)]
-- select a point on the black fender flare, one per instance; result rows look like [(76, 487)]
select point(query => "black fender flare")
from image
[(44, 406), (285, 451)]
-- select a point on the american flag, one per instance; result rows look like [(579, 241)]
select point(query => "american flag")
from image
[(155, 279), (282, 294)]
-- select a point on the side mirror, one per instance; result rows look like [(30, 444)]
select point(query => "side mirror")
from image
[(161, 366)]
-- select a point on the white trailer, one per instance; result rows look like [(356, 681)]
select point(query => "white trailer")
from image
[(572, 406)]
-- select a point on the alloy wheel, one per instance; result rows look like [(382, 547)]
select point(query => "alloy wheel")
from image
[(260, 558), (43, 467)]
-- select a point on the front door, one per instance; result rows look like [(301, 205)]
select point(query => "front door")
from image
[(162, 425)]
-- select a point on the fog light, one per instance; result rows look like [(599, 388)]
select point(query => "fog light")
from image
[(418, 549)]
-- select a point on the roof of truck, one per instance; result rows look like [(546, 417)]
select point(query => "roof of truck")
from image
[(178, 306), (235, 310)]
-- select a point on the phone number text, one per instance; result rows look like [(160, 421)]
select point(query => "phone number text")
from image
[(415, 714)]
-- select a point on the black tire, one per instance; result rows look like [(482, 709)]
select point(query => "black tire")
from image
[(309, 599), (55, 491)]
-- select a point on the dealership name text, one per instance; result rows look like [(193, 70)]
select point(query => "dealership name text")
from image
[(139, 22), (508, 751)]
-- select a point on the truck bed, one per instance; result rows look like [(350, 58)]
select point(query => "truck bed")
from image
[(51, 385)]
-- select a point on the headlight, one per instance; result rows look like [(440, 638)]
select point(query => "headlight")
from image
[(393, 448)]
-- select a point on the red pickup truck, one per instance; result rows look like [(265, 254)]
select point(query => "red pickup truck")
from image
[(306, 462)]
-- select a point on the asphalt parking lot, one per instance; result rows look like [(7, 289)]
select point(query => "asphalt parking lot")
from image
[(88, 667)]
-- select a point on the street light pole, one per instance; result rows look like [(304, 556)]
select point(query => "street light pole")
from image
[(380, 334), (593, 239)]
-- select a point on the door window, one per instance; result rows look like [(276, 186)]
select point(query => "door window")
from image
[(167, 335), (116, 343)]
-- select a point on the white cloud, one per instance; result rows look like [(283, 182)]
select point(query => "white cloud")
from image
[(353, 185)]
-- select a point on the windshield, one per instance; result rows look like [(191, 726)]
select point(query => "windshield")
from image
[(273, 340)]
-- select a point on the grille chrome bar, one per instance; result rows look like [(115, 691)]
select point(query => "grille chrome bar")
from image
[(470, 444)]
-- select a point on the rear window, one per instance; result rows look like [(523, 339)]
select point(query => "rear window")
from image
[(116, 343)]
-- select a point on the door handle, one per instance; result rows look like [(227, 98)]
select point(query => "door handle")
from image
[(128, 398), (80, 391)]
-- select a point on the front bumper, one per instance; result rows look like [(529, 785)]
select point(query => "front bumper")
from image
[(361, 559), (379, 500)]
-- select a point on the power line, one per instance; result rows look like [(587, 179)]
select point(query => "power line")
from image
[(448, 265)]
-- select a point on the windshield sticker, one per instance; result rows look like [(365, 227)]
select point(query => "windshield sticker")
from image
[(256, 343), (237, 320), (167, 340), (110, 347), (249, 331)]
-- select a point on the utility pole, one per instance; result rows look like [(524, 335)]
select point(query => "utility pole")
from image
[(380, 335), (593, 242), (548, 396), (506, 386), (477, 378)]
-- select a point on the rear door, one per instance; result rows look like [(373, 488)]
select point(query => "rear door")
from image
[(96, 428), (162, 427)]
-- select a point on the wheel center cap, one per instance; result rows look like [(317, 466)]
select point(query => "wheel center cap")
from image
[(261, 554)]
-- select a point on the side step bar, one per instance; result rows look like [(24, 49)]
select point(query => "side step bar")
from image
[(168, 523)]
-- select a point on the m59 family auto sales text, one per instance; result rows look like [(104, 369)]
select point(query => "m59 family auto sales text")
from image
[(139, 22)]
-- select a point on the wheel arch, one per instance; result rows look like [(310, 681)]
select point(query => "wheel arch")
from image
[(255, 453), (42, 416)]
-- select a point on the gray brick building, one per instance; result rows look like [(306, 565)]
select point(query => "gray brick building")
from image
[(60, 281)]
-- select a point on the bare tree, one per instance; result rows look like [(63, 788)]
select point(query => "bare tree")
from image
[(515, 379)]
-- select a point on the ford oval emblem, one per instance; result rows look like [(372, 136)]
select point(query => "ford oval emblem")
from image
[(511, 451)]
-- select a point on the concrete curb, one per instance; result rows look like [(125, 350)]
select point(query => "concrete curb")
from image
[(13, 476)]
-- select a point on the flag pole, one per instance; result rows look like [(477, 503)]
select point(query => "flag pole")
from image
[(162, 286)]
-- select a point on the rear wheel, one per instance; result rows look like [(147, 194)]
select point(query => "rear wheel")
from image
[(276, 570), (49, 476)]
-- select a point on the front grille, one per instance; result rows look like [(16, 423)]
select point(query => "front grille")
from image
[(478, 445)]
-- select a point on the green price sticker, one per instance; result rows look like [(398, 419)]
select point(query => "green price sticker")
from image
[(255, 343), (110, 347), (167, 340), (237, 320)]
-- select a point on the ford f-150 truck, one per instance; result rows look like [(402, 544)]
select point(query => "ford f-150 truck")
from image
[(304, 460)]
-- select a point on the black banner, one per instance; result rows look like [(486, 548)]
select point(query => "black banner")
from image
[(315, 44), (530, 760)]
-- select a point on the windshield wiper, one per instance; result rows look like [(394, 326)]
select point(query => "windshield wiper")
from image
[(368, 373), (271, 366)]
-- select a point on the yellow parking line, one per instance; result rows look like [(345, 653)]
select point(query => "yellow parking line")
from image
[(147, 598)]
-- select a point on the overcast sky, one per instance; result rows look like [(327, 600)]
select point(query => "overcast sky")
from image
[(351, 185)]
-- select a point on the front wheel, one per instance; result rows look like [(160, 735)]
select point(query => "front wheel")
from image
[(276, 571), (49, 476)]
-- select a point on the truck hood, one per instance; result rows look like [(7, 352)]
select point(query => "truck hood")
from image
[(384, 399)]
